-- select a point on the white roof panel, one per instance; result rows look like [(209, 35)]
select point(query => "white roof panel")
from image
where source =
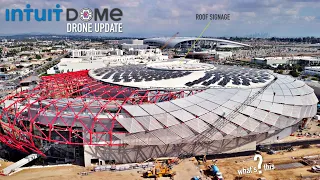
[(168, 106), (286, 92), (277, 108), (182, 115), (287, 110), (208, 105), (295, 92), (248, 110), (297, 100), (303, 111), (267, 97), (239, 119), (239, 132), (282, 122), (209, 117), (259, 114), (265, 105), (152, 109), (228, 128), (271, 119), (262, 128), (166, 119), (289, 100), (194, 99), (250, 124), (182, 103), (231, 105), (204, 95), (214, 92), (279, 99), (296, 111), (222, 111), (278, 92), (166, 136), (197, 125), (149, 122), (181, 130), (196, 110), (130, 124), (241, 96), (135, 110)]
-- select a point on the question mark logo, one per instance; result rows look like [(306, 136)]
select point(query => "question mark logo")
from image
[(256, 157)]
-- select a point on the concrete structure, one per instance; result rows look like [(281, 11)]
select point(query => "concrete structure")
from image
[(315, 70), (134, 46), (187, 42), (92, 59), (275, 61), (88, 53), (134, 112), (131, 41)]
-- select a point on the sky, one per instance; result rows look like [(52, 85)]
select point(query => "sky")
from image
[(154, 18)]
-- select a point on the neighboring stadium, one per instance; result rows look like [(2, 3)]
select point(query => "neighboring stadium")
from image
[(133, 113), (188, 42)]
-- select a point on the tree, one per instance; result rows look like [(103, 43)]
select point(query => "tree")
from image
[(294, 73), (38, 56), (280, 67)]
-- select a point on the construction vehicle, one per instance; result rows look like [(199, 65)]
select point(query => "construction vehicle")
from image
[(160, 170), (196, 178), (202, 160), (217, 175)]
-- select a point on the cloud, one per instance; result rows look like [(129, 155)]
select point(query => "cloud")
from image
[(165, 17)]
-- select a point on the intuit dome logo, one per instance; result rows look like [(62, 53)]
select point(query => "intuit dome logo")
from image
[(94, 20)]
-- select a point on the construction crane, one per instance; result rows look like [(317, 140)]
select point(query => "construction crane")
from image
[(224, 120), (165, 45)]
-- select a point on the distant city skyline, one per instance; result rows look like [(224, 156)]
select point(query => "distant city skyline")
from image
[(152, 18)]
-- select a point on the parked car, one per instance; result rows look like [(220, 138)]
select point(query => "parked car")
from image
[(271, 152), (315, 169), (219, 176)]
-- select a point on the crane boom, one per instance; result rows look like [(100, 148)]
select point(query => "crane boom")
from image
[(165, 45)]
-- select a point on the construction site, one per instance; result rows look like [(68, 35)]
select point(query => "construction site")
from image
[(296, 164), (117, 119)]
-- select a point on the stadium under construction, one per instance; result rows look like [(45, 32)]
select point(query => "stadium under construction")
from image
[(132, 113)]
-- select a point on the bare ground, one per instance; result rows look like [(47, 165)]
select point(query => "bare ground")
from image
[(185, 170)]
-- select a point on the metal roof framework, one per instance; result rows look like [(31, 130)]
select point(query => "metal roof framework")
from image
[(64, 105)]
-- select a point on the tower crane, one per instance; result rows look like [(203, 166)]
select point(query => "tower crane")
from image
[(165, 45)]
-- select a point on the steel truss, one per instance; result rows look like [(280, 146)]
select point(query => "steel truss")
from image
[(26, 123)]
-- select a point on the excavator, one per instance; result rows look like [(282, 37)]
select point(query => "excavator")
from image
[(163, 169)]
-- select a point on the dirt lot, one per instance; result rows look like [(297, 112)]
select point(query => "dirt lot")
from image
[(312, 128), (185, 170), (230, 166)]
